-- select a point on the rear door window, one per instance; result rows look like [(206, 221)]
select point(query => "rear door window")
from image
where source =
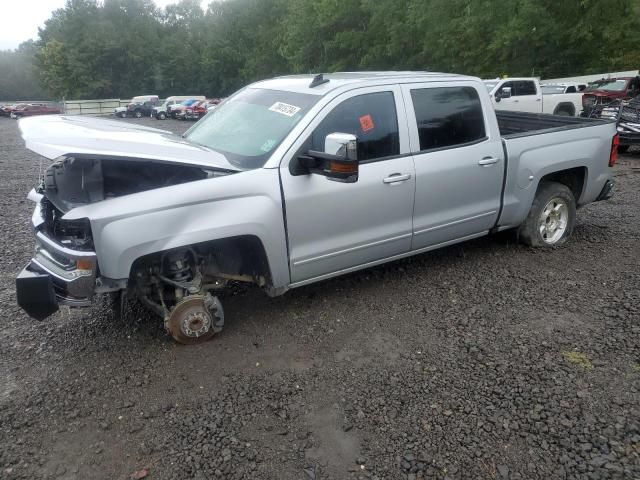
[(448, 116), (524, 87), (371, 117)]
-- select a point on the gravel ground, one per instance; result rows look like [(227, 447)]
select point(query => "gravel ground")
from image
[(483, 360)]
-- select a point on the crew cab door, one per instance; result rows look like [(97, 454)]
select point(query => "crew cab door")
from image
[(333, 226), (526, 96), (459, 162)]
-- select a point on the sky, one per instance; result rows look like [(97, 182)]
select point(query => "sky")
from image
[(21, 18)]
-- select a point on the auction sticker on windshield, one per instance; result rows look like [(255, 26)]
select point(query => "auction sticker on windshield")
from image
[(284, 109)]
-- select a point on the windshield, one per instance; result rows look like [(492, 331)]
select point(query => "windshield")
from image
[(490, 85), (186, 103), (614, 86), (552, 89), (250, 125)]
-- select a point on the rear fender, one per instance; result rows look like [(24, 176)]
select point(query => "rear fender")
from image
[(536, 157)]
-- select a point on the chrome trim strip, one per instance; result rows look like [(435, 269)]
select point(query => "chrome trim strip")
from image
[(78, 284), (80, 287), (445, 225), (349, 250), (74, 254), (36, 218), (384, 260), (34, 196)]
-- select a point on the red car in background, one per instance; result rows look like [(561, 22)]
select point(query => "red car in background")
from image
[(623, 88), (6, 110), (197, 110), (30, 110)]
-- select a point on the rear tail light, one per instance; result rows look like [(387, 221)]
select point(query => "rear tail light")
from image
[(613, 157)]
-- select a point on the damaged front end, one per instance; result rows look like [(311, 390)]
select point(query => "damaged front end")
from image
[(64, 269)]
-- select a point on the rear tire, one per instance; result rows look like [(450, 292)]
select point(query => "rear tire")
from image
[(552, 216), (162, 116), (138, 114)]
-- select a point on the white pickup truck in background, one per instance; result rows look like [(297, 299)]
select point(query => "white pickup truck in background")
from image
[(526, 95)]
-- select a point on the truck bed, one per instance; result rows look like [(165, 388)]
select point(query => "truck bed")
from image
[(519, 124)]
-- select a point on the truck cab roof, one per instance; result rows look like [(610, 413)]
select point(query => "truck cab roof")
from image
[(303, 83)]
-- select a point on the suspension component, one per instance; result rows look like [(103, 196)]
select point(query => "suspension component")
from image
[(177, 265)]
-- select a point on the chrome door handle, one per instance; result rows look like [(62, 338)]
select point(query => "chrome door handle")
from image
[(397, 177), (488, 161)]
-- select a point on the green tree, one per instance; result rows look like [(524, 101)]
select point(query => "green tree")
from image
[(120, 48), (19, 79)]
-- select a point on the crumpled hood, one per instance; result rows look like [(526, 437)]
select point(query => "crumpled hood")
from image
[(55, 135)]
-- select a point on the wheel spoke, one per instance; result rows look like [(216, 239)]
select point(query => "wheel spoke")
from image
[(543, 230)]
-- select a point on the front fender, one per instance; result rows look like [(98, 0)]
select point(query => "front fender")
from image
[(247, 203)]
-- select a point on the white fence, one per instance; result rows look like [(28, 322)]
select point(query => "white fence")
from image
[(104, 106), (93, 107)]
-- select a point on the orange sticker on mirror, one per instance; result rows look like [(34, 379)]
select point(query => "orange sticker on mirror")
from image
[(366, 123)]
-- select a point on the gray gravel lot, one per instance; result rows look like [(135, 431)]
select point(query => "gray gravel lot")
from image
[(486, 360)]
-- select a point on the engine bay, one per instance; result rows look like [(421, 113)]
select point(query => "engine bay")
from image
[(71, 182)]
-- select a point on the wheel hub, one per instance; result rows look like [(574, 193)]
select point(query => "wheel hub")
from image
[(195, 319), (196, 324)]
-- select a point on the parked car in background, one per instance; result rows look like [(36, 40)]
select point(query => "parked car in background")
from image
[(295, 180), (558, 88), (140, 106), (31, 110), (5, 110), (525, 95), (180, 111), (606, 91), (21, 106), (163, 110), (196, 110)]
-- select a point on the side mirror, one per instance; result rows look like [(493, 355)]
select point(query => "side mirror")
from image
[(504, 92), (338, 162)]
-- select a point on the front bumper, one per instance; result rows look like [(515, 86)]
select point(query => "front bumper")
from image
[(56, 275)]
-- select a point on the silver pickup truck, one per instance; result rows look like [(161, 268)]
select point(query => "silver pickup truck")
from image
[(295, 180)]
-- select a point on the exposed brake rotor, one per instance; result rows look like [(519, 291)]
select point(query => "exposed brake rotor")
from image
[(195, 319)]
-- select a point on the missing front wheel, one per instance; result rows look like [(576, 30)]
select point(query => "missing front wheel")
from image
[(195, 319)]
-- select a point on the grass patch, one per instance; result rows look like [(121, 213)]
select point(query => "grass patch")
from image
[(577, 358), (636, 367)]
